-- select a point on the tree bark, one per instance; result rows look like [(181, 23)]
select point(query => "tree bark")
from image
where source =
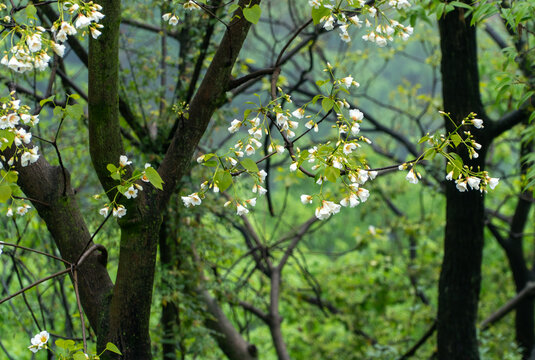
[(460, 276)]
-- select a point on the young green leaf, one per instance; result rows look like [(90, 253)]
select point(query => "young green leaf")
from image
[(249, 165), (456, 139), (332, 173), (5, 192), (154, 178), (252, 14), (223, 180), (114, 349), (48, 99), (79, 356), (327, 104), (319, 13), (111, 168)]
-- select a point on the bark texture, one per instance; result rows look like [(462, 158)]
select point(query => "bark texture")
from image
[(460, 276)]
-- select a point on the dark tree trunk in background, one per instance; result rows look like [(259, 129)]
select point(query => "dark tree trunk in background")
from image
[(170, 317), (522, 274), (463, 243)]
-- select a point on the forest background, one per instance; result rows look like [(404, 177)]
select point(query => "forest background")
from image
[(396, 277)]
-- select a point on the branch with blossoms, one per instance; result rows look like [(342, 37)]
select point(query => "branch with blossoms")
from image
[(128, 185), (16, 124), (328, 161), (34, 46)]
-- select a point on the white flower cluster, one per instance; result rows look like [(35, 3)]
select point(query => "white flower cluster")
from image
[(465, 179), (357, 194), (32, 51), (380, 35), (173, 19), (12, 115), (324, 158), (39, 341), (20, 210), (195, 198), (252, 143), (130, 191), (474, 182)]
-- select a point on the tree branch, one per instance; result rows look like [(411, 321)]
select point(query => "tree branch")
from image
[(507, 122), (528, 290)]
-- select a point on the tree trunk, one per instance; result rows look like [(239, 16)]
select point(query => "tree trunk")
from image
[(463, 243)]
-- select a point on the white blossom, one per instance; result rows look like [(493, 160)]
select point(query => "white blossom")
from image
[(82, 21), (478, 123), (492, 182), (351, 201), (104, 211), (327, 209), (473, 182), (241, 210), (461, 185), (306, 199), (412, 177), (234, 126), (123, 161), (131, 193), (119, 211), (191, 200), (349, 147), (262, 175)]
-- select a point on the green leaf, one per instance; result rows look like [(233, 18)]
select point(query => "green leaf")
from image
[(211, 163), (440, 10), (31, 11), (325, 150), (456, 139), (252, 14), (113, 348), (58, 111), (48, 99), (327, 104), (315, 99), (61, 344), (122, 188), (322, 82), (458, 165), (332, 173), (223, 180), (75, 111), (5, 192), (461, 5), (10, 177), (116, 176), (79, 356), (249, 165), (423, 139), (6, 134), (337, 108), (319, 13), (525, 98), (64, 344), (154, 178), (111, 168), (449, 8), (429, 154)]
